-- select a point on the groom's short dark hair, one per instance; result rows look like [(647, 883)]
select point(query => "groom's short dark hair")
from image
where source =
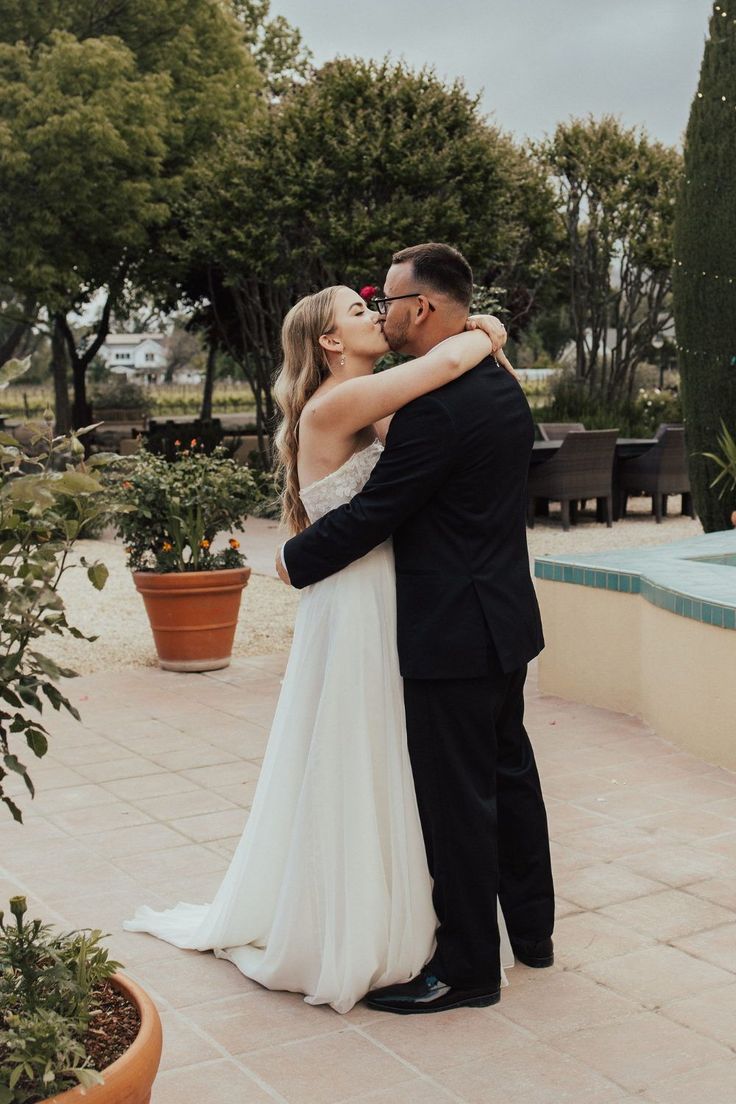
[(441, 268)]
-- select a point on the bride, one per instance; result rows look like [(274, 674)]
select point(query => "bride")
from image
[(328, 893)]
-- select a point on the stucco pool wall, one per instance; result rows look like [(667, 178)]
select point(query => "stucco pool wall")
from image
[(650, 632)]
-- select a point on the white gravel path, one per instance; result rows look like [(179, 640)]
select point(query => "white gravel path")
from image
[(116, 614)]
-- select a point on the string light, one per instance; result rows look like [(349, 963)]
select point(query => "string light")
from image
[(701, 273), (703, 353)]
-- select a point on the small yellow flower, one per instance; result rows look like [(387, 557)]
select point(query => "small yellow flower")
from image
[(234, 543), (167, 546), (204, 544)]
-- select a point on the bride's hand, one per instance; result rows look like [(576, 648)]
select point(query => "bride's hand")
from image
[(491, 326)]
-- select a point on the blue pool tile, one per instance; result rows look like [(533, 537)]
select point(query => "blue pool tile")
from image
[(705, 612), (716, 616), (600, 580), (729, 619), (557, 573), (567, 575), (687, 607), (624, 583), (679, 604), (589, 578), (578, 575)]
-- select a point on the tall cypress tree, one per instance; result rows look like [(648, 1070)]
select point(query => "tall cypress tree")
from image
[(705, 264)]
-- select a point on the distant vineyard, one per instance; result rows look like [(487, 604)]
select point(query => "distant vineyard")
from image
[(20, 402)]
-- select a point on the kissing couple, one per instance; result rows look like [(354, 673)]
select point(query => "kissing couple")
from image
[(397, 847)]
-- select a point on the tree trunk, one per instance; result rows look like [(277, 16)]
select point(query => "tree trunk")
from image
[(62, 411), (209, 382), (81, 409)]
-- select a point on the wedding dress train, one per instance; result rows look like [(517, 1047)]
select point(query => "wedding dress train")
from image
[(328, 891)]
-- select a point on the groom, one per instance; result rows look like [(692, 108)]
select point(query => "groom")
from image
[(451, 489)]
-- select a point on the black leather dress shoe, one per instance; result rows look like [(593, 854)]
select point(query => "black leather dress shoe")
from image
[(538, 955), (426, 993)]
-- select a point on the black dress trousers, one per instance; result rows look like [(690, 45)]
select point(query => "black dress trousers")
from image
[(483, 818)]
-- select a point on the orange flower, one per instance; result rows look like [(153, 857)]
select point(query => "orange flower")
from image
[(204, 544), (167, 546), (127, 484), (234, 543), (177, 443), (127, 550), (193, 442)]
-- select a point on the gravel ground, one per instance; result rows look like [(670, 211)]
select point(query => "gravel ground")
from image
[(116, 614)]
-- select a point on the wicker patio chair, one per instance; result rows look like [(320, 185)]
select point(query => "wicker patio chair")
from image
[(581, 469), (660, 472), (557, 431)]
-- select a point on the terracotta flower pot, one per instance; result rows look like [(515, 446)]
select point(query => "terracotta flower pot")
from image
[(193, 615), (129, 1079)]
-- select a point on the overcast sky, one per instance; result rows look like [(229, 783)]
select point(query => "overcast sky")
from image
[(536, 61)]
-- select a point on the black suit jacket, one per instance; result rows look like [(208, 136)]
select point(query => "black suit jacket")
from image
[(451, 489)]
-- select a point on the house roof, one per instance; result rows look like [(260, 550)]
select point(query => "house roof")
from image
[(132, 339)]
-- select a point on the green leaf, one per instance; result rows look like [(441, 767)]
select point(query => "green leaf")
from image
[(14, 810), (48, 666), (37, 742), (98, 575), (13, 763)]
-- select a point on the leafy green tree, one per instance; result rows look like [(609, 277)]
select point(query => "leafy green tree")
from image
[(104, 110), (616, 190), (362, 158), (705, 269)]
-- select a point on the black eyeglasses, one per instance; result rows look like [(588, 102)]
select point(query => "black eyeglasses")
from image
[(381, 304)]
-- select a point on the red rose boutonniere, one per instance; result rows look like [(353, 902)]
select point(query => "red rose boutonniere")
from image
[(368, 292)]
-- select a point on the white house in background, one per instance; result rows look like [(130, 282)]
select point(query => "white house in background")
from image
[(141, 357)]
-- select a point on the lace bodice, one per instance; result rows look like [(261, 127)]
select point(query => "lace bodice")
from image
[(340, 486)]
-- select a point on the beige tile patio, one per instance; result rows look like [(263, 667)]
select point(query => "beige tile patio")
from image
[(192, 802), (641, 1050), (715, 1084), (211, 826), (183, 1046), (563, 1001), (410, 1092), (100, 818), (590, 937), (196, 978), (159, 784), (717, 946), (139, 840), (329, 1069), (712, 1013), (441, 1041), (534, 1074), (603, 883), (654, 975), (676, 864), (668, 914), (721, 890), (132, 766), (258, 1019), (222, 1082)]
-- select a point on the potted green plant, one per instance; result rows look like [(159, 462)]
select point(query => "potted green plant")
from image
[(72, 1027), (169, 514)]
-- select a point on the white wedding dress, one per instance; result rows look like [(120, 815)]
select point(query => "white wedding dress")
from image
[(328, 892)]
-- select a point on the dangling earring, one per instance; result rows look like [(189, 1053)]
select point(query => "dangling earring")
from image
[(342, 361)]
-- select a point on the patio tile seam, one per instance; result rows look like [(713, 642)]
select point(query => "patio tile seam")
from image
[(405, 1062), (230, 1057)]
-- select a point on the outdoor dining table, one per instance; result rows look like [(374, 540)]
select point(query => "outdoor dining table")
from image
[(626, 447)]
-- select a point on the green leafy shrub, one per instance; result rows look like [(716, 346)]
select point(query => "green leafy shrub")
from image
[(47, 1002), (47, 502), (572, 400), (725, 461), (119, 393), (169, 514)]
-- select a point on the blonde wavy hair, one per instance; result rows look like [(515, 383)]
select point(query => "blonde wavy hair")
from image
[(304, 367)]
